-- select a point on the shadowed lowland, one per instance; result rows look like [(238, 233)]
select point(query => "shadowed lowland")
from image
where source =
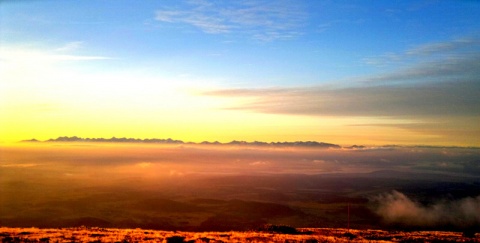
[(195, 187)]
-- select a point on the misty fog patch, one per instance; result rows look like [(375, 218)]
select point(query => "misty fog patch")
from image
[(397, 208)]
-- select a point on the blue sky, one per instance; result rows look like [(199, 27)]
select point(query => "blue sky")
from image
[(286, 43), (370, 59)]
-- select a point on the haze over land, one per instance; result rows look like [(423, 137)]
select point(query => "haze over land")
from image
[(237, 187)]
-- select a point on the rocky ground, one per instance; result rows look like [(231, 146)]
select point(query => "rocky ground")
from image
[(84, 234)]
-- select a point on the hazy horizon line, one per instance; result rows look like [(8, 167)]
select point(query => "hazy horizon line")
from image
[(309, 143)]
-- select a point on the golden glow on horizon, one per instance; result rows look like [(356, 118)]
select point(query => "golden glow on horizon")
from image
[(45, 95)]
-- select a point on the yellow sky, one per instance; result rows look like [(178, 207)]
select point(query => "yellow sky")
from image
[(45, 95), (209, 70)]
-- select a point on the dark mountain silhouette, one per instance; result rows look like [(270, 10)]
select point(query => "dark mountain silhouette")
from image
[(33, 140), (172, 141)]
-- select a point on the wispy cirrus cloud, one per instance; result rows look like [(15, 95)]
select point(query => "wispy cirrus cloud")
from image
[(21, 54), (70, 46), (460, 44), (261, 20), (456, 66), (423, 96), (435, 51)]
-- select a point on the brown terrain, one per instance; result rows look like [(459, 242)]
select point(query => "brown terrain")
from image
[(85, 234), (85, 192)]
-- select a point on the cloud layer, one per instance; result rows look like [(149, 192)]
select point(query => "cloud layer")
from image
[(429, 99), (262, 20), (396, 207)]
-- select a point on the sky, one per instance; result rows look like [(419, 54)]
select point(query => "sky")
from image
[(345, 72)]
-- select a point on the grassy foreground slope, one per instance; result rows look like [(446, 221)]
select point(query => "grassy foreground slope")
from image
[(83, 234)]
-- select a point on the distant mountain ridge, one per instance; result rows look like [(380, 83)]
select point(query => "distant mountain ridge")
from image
[(173, 141)]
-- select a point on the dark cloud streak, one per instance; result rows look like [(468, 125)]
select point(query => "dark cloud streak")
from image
[(426, 100)]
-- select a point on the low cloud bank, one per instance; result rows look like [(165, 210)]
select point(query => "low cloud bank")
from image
[(397, 208)]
